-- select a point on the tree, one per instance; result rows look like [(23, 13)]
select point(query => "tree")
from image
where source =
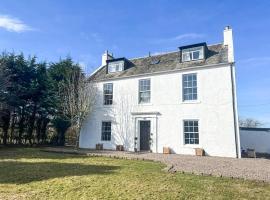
[(79, 96), (5, 117), (60, 74), (3, 78), (40, 102), (61, 125), (4, 108), (250, 123), (31, 102), (20, 73), (25, 97)]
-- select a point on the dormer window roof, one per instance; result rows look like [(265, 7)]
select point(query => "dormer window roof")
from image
[(193, 52), (117, 65)]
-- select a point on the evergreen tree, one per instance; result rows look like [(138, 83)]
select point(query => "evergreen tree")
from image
[(29, 98)]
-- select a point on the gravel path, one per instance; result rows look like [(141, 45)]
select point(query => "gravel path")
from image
[(246, 168)]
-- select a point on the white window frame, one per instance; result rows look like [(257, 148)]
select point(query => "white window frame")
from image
[(190, 53), (190, 87), (191, 132), (116, 66), (105, 94), (144, 91), (102, 139)]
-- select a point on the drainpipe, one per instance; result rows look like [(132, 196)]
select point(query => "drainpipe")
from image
[(235, 111), (228, 41)]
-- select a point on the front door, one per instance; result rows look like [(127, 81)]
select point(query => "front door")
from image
[(145, 135)]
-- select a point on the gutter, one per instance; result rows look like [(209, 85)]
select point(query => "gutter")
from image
[(235, 112)]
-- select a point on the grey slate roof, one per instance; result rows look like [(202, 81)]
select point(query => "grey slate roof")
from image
[(217, 53)]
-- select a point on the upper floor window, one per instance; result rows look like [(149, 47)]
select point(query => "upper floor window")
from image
[(108, 93), (190, 54), (106, 131), (116, 66), (191, 131), (144, 91), (189, 87)]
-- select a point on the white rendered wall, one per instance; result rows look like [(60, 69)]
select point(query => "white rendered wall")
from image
[(258, 140), (213, 109)]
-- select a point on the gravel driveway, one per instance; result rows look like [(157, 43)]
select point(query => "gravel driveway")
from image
[(246, 168)]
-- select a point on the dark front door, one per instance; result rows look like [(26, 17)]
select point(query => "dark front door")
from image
[(144, 135)]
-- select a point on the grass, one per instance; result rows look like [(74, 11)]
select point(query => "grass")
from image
[(31, 174)]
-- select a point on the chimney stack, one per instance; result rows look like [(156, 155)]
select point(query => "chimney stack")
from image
[(228, 41), (106, 56)]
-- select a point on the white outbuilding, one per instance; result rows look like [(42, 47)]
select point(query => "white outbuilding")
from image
[(255, 138)]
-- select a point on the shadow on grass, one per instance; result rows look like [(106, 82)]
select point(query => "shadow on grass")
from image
[(23, 152), (25, 172)]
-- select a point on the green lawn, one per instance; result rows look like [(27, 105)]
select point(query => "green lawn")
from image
[(32, 174)]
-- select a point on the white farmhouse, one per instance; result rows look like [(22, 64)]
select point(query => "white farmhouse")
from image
[(181, 100)]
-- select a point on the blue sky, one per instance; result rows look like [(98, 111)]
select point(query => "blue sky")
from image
[(85, 29)]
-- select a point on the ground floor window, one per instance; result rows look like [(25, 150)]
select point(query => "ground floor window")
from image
[(191, 131), (106, 131)]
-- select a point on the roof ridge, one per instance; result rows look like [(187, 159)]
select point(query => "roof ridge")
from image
[(161, 53), (215, 44), (168, 52)]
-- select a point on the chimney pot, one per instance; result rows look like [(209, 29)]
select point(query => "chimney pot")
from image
[(227, 27)]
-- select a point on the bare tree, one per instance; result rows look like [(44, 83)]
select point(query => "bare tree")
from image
[(79, 97), (250, 123)]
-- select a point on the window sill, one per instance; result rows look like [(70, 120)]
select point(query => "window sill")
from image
[(145, 104), (192, 146), (115, 72), (191, 102), (109, 105), (200, 59)]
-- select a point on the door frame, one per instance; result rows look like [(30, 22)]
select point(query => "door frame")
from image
[(153, 130)]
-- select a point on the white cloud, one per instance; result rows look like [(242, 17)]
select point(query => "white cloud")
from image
[(256, 60), (252, 63), (185, 36), (13, 24)]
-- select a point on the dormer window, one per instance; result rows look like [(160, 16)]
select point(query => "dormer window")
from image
[(193, 52), (116, 66)]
